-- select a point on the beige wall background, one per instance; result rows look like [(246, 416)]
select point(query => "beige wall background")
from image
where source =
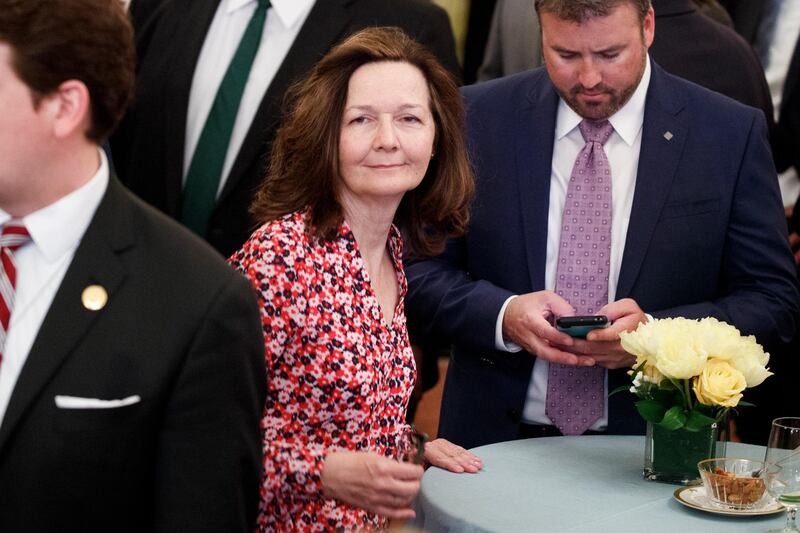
[(459, 15)]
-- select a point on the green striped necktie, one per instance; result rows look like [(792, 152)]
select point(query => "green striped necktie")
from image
[(205, 170)]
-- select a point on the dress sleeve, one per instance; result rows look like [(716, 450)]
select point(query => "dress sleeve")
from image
[(275, 261)]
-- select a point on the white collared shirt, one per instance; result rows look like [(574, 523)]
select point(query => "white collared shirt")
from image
[(283, 23), (622, 150), (56, 231)]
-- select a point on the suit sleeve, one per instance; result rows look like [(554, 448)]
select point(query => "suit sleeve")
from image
[(444, 302), (209, 449), (758, 285), (275, 265)]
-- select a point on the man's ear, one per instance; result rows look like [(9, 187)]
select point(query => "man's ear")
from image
[(69, 108), (649, 27)]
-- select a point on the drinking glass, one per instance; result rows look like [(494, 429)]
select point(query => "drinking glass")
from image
[(411, 446), (783, 459)]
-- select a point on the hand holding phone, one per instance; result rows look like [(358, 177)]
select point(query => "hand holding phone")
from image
[(580, 326)]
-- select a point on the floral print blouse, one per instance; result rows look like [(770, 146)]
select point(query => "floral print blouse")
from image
[(338, 377)]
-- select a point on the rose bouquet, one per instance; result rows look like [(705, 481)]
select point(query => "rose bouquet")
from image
[(688, 373)]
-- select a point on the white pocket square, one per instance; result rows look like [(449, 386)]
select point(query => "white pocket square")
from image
[(76, 402)]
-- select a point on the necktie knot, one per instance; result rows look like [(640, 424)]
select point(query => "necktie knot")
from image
[(597, 131), (14, 235), (264, 4)]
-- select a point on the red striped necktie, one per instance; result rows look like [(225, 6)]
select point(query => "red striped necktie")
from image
[(13, 236)]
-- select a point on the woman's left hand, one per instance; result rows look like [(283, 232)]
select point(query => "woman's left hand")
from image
[(445, 454)]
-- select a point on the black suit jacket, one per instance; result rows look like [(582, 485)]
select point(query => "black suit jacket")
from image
[(148, 147), (788, 141), (746, 15), (182, 331), (692, 46), (787, 145)]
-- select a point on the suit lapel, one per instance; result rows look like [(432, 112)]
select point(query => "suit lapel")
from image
[(190, 20), (663, 136), (68, 321), (326, 24), (536, 122)]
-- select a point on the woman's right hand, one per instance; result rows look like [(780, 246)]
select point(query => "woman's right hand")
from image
[(378, 484)]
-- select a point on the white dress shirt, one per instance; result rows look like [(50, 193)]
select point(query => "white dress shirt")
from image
[(622, 150), (55, 231), (779, 55), (283, 23)]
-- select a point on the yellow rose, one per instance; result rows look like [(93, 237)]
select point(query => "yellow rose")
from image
[(719, 384), (678, 357)]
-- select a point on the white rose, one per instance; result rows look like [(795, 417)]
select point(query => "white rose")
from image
[(749, 358), (678, 357)]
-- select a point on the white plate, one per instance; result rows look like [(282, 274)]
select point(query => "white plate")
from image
[(695, 497)]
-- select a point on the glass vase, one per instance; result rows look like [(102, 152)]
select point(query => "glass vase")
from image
[(672, 456)]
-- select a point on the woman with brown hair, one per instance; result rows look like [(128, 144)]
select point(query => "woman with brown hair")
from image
[(370, 159)]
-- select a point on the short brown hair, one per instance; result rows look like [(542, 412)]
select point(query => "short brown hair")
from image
[(304, 165), (582, 10), (53, 41)]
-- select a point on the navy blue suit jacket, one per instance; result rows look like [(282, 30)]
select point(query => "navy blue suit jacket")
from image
[(706, 237)]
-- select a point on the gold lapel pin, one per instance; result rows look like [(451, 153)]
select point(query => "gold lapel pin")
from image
[(668, 135), (94, 297)]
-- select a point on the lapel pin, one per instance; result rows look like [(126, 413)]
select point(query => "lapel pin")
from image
[(94, 297), (668, 135)]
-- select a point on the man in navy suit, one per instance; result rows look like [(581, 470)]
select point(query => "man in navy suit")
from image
[(696, 220)]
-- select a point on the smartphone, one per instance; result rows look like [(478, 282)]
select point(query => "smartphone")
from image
[(580, 326)]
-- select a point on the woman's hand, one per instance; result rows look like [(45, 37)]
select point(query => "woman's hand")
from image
[(445, 454), (378, 484)]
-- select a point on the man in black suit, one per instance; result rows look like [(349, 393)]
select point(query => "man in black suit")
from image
[(150, 147), (132, 375), (789, 134), (691, 45)]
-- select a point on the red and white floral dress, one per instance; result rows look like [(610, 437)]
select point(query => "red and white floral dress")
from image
[(338, 378)]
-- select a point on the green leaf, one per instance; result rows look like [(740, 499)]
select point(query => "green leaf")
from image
[(663, 396), (743, 403), (621, 388), (667, 385), (673, 419), (708, 410), (651, 410), (697, 420)]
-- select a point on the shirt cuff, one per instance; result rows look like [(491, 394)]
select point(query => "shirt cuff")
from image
[(499, 342)]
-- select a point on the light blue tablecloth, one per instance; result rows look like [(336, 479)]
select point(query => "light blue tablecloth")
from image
[(568, 484)]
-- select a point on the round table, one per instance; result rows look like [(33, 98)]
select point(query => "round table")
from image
[(587, 483)]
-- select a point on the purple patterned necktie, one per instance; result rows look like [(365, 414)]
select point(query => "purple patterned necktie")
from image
[(575, 394)]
